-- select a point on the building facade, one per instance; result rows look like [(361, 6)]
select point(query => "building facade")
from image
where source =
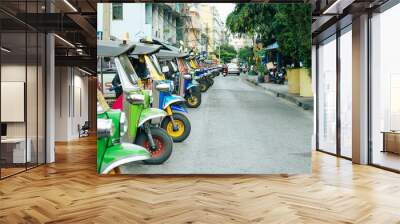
[(142, 20)]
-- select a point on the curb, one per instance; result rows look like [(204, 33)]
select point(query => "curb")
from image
[(284, 95)]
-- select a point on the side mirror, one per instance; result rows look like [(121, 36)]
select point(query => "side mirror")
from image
[(163, 87), (187, 76), (135, 98), (165, 69)]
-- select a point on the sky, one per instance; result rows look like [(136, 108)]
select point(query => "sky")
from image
[(224, 9)]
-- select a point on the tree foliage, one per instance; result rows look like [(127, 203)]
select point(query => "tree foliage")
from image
[(245, 55), (288, 24), (228, 53)]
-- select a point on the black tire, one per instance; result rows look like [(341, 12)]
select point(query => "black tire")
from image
[(161, 135), (193, 99), (178, 117), (210, 81), (203, 85)]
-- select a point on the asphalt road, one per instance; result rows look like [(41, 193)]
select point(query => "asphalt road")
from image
[(238, 129)]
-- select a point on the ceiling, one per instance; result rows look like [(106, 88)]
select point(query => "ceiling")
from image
[(74, 22)]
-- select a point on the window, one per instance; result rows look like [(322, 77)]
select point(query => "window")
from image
[(346, 93), (22, 87), (117, 11), (385, 89), (149, 13), (327, 95)]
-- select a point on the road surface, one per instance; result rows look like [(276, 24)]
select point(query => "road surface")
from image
[(238, 129)]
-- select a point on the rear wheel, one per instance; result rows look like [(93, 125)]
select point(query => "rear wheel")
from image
[(193, 99), (183, 127), (211, 81), (163, 144)]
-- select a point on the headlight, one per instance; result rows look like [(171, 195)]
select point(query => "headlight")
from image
[(123, 124), (135, 98), (163, 87), (100, 109), (104, 128)]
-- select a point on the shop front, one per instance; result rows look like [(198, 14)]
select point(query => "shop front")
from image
[(358, 87)]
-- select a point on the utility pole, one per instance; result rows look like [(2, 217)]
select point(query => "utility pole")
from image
[(207, 38), (219, 52)]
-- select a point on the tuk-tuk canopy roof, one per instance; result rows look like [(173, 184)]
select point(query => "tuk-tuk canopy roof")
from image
[(168, 55), (112, 48), (165, 45), (143, 48)]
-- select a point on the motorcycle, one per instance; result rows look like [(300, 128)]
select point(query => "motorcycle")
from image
[(111, 154), (225, 70), (141, 130), (175, 123), (280, 76)]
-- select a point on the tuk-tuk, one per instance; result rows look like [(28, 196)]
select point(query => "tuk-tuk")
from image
[(136, 102)]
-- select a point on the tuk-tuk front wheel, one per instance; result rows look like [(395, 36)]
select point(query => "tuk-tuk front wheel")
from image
[(163, 144), (183, 127), (210, 81), (115, 171), (193, 100), (203, 85)]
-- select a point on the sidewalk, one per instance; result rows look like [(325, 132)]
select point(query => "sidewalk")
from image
[(307, 103)]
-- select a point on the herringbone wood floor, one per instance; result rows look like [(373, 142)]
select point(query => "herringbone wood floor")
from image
[(70, 191)]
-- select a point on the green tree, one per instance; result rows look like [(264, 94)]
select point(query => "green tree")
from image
[(288, 24), (228, 53), (292, 25), (252, 19), (245, 55)]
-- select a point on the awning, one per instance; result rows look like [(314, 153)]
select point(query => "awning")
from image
[(272, 46)]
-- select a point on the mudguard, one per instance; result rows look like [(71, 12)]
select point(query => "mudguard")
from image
[(171, 99), (150, 113), (178, 108), (120, 154), (190, 86)]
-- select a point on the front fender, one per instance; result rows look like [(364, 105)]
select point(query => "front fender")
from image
[(150, 113), (178, 108), (190, 86), (171, 99), (121, 154)]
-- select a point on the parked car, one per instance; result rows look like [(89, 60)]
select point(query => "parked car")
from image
[(233, 68)]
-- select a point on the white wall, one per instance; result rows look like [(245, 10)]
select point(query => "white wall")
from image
[(71, 96), (100, 16), (133, 22)]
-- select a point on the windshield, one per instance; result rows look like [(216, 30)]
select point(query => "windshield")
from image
[(102, 105), (156, 63), (130, 71), (182, 67), (173, 66), (155, 73), (188, 65)]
